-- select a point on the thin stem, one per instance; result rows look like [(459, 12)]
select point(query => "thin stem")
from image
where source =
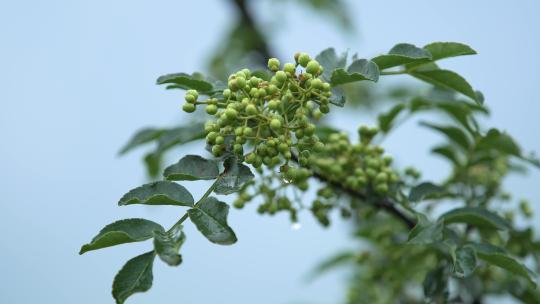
[(394, 72), (383, 203), (205, 196)]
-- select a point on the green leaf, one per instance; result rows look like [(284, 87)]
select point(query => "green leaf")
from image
[(446, 79), (435, 285), (464, 261), (210, 217), (233, 178), (359, 70), (143, 136), (426, 232), (158, 193), (402, 54), (186, 81), (498, 257), (420, 191), (122, 232), (340, 259), (476, 216), (338, 97), (496, 140), (167, 244), (330, 61), (386, 120), (152, 161), (135, 276), (447, 152), (192, 167), (180, 135), (440, 50), (455, 134)]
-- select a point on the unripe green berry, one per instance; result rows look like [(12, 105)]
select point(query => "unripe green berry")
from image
[(231, 113), (313, 67), (248, 131), (275, 124), (188, 107), (289, 68), (371, 173), (388, 160), (233, 85), (254, 81), (381, 188), (381, 178), (310, 129), (211, 137), (273, 64), (250, 158), (283, 147), (239, 131), (251, 109), (238, 204), (317, 84), (324, 109), (238, 149), (274, 104), (217, 150), (317, 114), (272, 89), (193, 93), (241, 82), (219, 140), (190, 98), (211, 109), (303, 59), (247, 73), (318, 147), (326, 87), (281, 77)]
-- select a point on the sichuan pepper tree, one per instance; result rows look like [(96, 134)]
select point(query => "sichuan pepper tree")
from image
[(267, 144)]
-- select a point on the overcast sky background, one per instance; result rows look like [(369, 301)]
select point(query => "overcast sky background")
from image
[(77, 79)]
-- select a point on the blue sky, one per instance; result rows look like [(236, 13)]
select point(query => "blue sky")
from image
[(78, 78)]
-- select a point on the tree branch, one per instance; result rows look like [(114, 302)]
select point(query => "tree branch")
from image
[(247, 20), (385, 203)]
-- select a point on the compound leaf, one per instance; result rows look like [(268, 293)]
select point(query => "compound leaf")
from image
[(464, 261), (210, 218), (498, 257), (167, 244), (476, 216), (402, 54), (234, 177), (440, 50), (186, 81), (359, 70), (446, 79), (121, 232), (420, 191), (158, 193), (192, 167), (135, 276)]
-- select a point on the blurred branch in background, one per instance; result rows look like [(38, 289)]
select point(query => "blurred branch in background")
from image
[(247, 44)]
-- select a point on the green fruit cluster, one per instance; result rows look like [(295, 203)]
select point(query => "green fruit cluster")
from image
[(361, 166), (272, 117), (273, 193)]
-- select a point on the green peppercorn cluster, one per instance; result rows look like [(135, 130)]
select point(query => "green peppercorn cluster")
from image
[(272, 117), (361, 166), (273, 192)]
